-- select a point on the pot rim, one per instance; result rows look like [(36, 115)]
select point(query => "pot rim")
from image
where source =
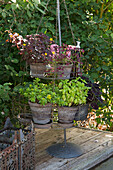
[(38, 104)]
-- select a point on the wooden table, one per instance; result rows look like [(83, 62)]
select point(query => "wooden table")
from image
[(96, 146)]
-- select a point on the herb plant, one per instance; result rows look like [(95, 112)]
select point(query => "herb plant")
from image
[(38, 92), (71, 93)]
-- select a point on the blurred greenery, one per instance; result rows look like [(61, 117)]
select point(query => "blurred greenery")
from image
[(92, 25)]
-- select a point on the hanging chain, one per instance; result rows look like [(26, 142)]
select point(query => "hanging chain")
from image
[(59, 26), (42, 16), (56, 24), (69, 22)]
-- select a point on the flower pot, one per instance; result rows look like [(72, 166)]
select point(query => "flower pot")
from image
[(37, 70), (64, 71), (66, 115), (82, 112), (41, 114)]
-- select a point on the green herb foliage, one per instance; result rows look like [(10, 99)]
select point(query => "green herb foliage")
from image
[(38, 92), (72, 92)]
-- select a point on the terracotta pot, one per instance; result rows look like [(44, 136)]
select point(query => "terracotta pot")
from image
[(37, 70), (65, 71), (41, 114), (82, 112), (67, 114)]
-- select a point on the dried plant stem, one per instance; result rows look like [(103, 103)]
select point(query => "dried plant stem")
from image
[(97, 3), (101, 12)]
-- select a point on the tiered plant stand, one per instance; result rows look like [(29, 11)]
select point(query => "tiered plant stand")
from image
[(65, 149)]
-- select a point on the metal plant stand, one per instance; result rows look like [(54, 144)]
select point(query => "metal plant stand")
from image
[(64, 150)]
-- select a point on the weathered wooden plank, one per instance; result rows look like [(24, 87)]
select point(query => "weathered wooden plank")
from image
[(56, 136), (90, 159), (96, 147)]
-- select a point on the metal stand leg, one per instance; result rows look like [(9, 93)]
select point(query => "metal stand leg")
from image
[(64, 150)]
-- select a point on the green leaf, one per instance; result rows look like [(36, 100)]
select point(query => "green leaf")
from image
[(4, 14), (15, 61), (36, 1), (29, 13), (51, 18), (13, 6), (105, 67), (40, 10), (44, 30), (94, 75), (86, 56), (98, 69), (111, 35), (48, 24), (8, 6), (93, 38), (0, 10)]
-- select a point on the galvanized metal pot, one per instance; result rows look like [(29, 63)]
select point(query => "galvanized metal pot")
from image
[(37, 70), (65, 71), (41, 114), (82, 112), (67, 114)]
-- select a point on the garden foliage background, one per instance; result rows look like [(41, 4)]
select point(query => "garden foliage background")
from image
[(92, 24)]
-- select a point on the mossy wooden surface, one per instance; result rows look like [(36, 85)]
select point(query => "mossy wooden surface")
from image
[(96, 146)]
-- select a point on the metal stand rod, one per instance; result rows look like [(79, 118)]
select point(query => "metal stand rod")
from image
[(59, 28), (65, 136)]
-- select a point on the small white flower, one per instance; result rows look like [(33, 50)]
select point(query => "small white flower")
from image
[(2, 113), (13, 1), (33, 55), (19, 43), (24, 40), (20, 37), (36, 49), (48, 66), (16, 34)]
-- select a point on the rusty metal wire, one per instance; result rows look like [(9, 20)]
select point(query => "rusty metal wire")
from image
[(21, 154)]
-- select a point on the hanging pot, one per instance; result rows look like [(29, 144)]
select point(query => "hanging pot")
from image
[(82, 112), (37, 70), (64, 71), (41, 114), (66, 114)]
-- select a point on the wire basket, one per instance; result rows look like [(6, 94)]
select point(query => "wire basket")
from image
[(21, 153)]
